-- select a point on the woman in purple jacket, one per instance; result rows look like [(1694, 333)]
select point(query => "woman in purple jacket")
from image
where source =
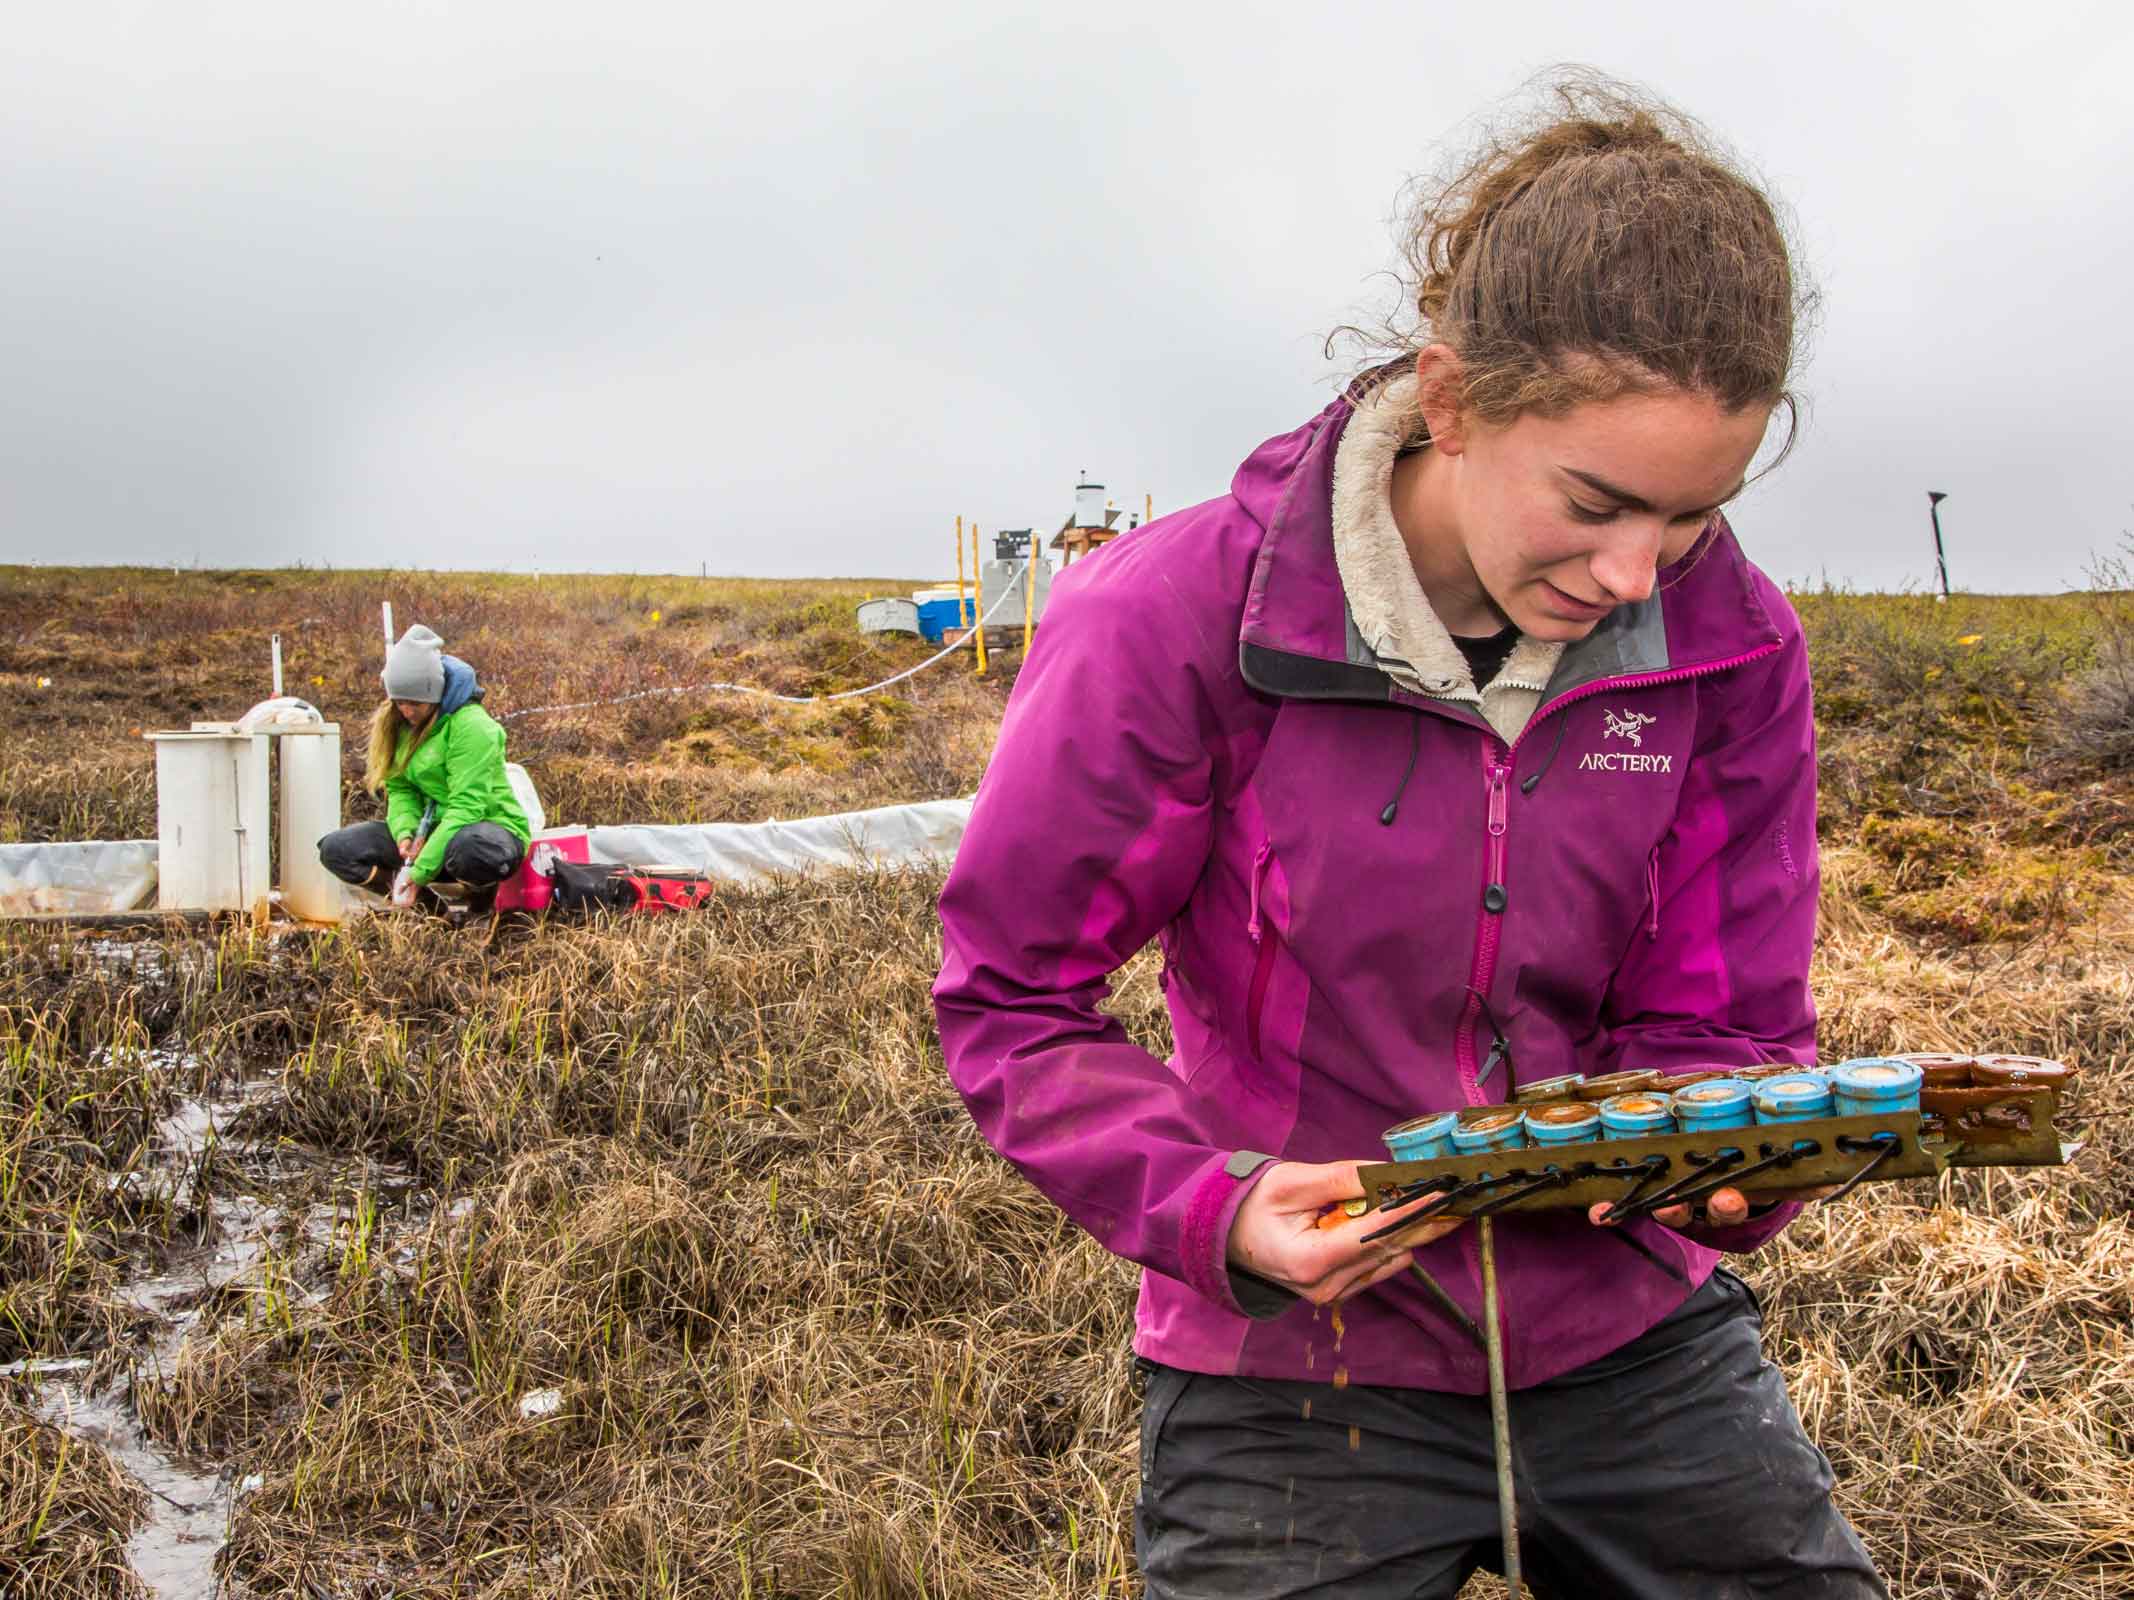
[(1458, 745)]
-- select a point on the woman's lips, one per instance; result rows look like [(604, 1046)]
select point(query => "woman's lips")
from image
[(1570, 605)]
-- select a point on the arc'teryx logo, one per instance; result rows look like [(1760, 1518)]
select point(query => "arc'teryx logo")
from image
[(1629, 725)]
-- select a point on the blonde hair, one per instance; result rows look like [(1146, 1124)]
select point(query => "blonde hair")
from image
[(382, 760)]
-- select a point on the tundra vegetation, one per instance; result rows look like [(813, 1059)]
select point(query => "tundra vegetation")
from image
[(658, 1258)]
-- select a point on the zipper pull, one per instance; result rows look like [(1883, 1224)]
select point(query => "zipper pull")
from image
[(1652, 889), (1259, 871), (1498, 773), (1500, 1049)]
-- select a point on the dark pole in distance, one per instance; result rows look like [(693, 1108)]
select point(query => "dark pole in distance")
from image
[(1941, 565)]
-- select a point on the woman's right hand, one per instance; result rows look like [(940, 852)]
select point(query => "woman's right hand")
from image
[(1276, 1234), (407, 848)]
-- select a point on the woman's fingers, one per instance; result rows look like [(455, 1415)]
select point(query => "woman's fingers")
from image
[(1723, 1208), (1278, 1234), (1312, 1187)]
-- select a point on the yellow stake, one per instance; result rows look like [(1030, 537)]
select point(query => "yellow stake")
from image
[(978, 578), (959, 572), (1029, 591), (1148, 508)]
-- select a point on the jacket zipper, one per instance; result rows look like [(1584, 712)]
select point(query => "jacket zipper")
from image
[(1496, 773), (1498, 760), (1264, 941)]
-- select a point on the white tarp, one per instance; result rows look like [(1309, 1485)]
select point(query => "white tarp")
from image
[(102, 876), (751, 852), (94, 876)]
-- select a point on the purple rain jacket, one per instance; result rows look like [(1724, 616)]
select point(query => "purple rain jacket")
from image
[(1198, 752)]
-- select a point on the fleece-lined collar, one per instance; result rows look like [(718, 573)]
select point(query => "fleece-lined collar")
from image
[(1391, 614)]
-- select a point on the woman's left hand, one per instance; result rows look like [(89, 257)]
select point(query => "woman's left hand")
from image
[(1723, 1208)]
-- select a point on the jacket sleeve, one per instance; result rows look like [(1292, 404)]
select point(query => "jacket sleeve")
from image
[(1091, 828), (403, 806), (474, 759), (1717, 974)]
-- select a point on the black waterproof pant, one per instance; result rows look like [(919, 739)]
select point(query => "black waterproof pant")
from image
[(1675, 1466), (481, 855)]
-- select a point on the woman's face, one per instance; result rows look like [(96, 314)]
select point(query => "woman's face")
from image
[(414, 712), (1562, 519)]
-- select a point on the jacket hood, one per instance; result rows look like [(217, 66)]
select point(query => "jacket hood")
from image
[(461, 686), (1300, 636)]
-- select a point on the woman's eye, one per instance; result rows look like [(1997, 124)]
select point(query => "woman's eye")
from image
[(1588, 514)]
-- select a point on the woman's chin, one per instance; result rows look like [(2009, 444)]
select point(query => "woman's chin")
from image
[(1548, 626)]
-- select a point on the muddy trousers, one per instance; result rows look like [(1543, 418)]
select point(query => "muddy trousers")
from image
[(1673, 1467), (481, 855)]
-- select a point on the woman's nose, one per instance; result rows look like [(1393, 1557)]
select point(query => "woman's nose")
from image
[(1628, 565)]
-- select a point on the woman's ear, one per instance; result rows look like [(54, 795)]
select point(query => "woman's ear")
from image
[(1438, 372)]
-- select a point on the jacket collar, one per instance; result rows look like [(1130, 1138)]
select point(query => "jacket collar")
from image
[(1300, 637)]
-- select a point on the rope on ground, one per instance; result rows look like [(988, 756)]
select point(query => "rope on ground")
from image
[(1009, 590)]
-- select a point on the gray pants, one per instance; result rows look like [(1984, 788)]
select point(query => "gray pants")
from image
[(1675, 1466), (481, 855)]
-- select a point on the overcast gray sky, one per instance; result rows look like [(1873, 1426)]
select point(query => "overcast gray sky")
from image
[(782, 290)]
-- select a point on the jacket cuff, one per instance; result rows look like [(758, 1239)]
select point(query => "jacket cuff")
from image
[(1204, 1241), (1758, 1230)]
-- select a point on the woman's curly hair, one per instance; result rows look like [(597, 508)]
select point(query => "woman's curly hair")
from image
[(1606, 245)]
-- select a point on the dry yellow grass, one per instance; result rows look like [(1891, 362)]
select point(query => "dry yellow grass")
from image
[(705, 1181)]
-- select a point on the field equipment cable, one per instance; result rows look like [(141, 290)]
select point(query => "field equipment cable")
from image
[(1008, 592)]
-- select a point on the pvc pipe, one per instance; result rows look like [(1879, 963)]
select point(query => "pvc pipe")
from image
[(387, 608), (276, 642), (311, 809), (211, 814)]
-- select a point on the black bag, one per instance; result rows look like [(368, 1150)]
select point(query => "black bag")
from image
[(580, 889)]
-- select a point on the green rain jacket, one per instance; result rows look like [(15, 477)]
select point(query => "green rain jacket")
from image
[(460, 766)]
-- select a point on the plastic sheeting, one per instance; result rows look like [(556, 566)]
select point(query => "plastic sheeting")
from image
[(94, 877), (99, 877), (753, 852)]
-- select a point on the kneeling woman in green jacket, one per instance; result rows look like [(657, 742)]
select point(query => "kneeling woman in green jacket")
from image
[(432, 745)]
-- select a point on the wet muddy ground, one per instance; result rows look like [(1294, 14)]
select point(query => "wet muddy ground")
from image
[(248, 1206)]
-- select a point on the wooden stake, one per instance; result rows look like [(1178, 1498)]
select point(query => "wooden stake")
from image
[(978, 582), (1500, 1426), (1029, 591)]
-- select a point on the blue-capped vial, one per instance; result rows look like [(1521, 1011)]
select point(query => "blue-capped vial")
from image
[(1796, 1097), (1499, 1128), (1422, 1138), (1637, 1115), (1561, 1088), (1875, 1084), (1712, 1105), (1564, 1122)]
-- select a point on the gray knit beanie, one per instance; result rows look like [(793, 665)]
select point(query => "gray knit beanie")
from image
[(415, 668)]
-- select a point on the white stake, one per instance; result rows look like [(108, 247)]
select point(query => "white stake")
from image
[(277, 642), (387, 607)]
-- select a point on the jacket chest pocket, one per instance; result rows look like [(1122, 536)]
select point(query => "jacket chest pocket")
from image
[(1380, 919)]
